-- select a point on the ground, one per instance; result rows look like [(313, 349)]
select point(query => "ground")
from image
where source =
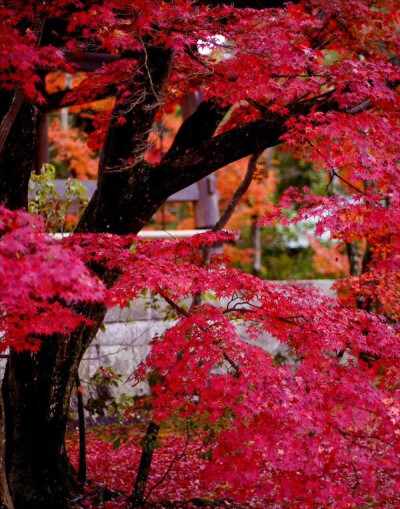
[(111, 475)]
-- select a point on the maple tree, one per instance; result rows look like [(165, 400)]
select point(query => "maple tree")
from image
[(323, 79)]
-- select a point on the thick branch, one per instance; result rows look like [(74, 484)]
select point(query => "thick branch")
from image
[(18, 155), (126, 142), (217, 152), (251, 167), (9, 118), (128, 196), (200, 126), (124, 181), (214, 153), (59, 99)]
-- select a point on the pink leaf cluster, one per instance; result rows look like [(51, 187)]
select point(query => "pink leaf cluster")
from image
[(39, 282)]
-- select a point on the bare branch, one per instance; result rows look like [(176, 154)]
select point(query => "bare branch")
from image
[(240, 191), (179, 309)]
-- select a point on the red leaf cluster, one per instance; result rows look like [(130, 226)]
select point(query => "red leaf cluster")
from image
[(39, 281)]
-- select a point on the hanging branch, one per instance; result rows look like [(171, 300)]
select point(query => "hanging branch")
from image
[(180, 310)]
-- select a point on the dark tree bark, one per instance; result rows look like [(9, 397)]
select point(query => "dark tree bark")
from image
[(354, 257), (5, 497), (124, 200), (18, 150), (37, 389), (17, 156)]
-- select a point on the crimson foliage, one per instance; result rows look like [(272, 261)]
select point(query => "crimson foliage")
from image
[(321, 78)]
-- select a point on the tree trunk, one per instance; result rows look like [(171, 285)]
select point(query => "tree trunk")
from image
[(354, 257), (18, 146), (256, 245), (82, 431), (5, 497), (37, 389)]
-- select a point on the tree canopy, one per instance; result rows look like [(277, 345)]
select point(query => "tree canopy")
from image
[(320, 78)]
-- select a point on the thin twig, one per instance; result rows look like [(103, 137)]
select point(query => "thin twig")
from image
[(192, 54), (333, 171), (332, 175), (233, 364), (82, 431), (173, 304), (238, 310), (251, 168), (347, 182)]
